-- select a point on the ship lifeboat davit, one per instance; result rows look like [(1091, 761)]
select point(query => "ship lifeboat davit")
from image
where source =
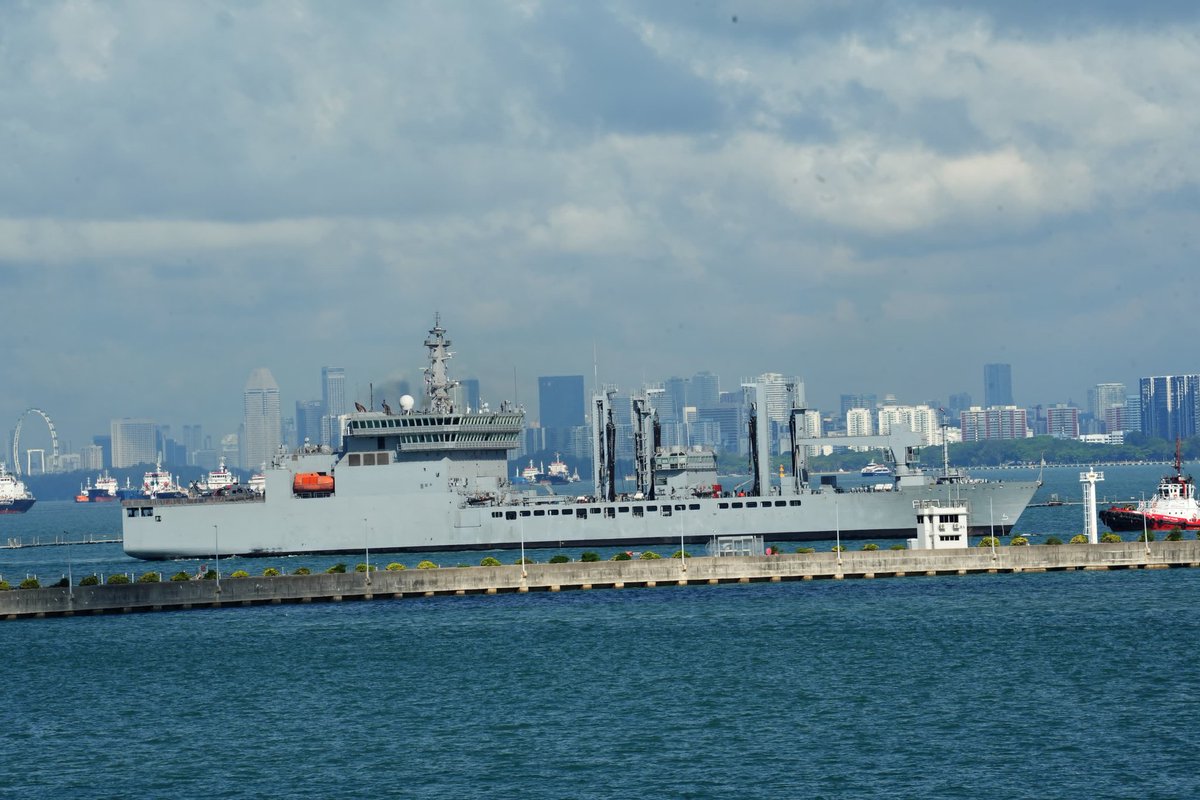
[(312, 484)]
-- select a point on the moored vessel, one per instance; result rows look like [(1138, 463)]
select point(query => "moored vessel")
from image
[(436, 478), (15, 498), (1173, 505), (872, 469)]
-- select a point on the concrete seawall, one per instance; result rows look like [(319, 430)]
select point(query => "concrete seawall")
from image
[(127, 598)]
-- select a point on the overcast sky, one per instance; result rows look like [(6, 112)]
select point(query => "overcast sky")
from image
[(875, 196)]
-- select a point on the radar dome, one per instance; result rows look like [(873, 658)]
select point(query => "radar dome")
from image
[(406, 402)]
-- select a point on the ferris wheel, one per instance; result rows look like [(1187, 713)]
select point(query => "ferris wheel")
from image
[(16, 442)]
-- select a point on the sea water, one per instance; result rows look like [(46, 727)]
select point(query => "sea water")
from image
[(1072, 685)]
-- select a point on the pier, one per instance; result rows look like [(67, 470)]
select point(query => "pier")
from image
[(14, 543), (576, 576)]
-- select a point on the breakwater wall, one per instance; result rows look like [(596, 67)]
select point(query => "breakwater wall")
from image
[(577, 576)]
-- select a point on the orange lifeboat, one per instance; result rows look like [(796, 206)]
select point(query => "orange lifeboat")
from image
[(312, 484)]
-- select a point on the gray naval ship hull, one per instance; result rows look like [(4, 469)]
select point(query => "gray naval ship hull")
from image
[(436, 479), (366, 512)]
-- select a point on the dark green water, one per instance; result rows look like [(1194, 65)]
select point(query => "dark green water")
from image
[(1077, 685)]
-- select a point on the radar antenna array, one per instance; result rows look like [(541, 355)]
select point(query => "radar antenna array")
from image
[(16, 442)]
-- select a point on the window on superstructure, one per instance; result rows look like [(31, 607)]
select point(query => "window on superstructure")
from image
[(147, 512), (354, 460), (539, 512), (751, 505), (793, 502), (497, 514), (381, 458), (581, 513), (368, 459), (525, 513), (638, 511), (610, 512), (131, 512), (737, 505), (681, 507), (780, 503), (693, 506), (510, 515), (722, 505), (666, 511)]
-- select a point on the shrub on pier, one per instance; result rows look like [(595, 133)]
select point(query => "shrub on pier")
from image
[(681, 554), (63, 583), (1078, 538), (525, 560), (622, 556), (211, 575), (239, 573), (1113, 538), (362, 567), (270, 572), (898, 546), (1018, 541), (838, 548), (1176, 535), (29, 583), (120, 579), (336, 569), (1148, 536), (181, 576), (870, 546), (427, 564), (989, 541), (89, 580), (395, 566), (489, 561), (302, 571), (806, 549), (589, 557), (650, 555), (4, 587), (149, 577), (559, 559), (1053, 540)]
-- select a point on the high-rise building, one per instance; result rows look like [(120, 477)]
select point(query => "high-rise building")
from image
[(133, 442), (849, 401), (704, 390), (261, 419), (309, 414), (1104, 396), (105, 444), (958, 402), (468, 394), (859, 422), (91, 456), (997, 385), (333, 395), (1062, 421), (919, 419), (674, 398), (1170, 405), (561, 411), (783, 394), (560, 401), (1000, 422)]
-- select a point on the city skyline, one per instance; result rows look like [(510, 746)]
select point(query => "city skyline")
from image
[(898, 190)]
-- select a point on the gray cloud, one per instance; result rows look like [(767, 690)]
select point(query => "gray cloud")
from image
[(877, 196)]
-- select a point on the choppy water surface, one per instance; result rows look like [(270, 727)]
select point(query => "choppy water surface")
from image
[(1073, 685), (1050, 685)]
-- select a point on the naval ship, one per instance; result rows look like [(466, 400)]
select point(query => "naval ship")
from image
[(435, 479)]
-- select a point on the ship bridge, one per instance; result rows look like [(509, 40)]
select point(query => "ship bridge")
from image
[(424, 432)]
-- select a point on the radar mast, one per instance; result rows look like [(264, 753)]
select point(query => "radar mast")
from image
[(438, 386)]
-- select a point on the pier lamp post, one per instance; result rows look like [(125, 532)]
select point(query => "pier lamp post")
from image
[(991, 528), (1145, 527), (837, 530), (367, 550), (217, 555), (524, 573), (70, 576)]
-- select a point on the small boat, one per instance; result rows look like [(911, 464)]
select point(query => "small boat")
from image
[(874, 469), (158, 483), (1172, 506)]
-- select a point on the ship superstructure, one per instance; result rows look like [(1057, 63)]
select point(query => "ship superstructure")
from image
[(436, 478)]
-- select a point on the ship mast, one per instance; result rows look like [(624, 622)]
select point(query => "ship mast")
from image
[(438, 386)]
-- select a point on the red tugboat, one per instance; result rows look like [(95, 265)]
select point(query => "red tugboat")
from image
[(1172, 506)]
